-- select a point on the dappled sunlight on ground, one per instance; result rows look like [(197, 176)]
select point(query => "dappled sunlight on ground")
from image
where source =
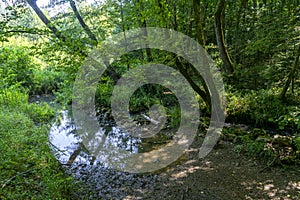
[(223, 174), (273, 190)]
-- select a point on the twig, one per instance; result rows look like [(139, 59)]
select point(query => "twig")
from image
[(269, 165), (12, 178)]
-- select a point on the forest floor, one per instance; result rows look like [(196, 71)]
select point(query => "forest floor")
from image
[(223, 174)]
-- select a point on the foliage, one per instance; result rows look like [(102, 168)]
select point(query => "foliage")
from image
[(275, 149), (262, 108), (174, 116), (28, 169), (16, 66), (19, 67), (104, 92), (261, 37), (47, 80), (65, 93)]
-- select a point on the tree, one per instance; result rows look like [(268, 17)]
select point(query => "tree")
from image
[(45, 20), (290, 76), (77, 46), (228, 65), (200, 35), (82, 23)]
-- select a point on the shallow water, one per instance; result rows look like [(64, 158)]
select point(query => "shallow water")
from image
[(69, 149), (65, 141), (102, 182)]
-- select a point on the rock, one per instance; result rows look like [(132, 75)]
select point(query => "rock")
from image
[(263, 138), (283, 141)]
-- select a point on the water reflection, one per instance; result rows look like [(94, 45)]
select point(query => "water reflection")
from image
[(68, 146)]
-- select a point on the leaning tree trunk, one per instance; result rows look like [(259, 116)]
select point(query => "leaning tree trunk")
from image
[(220, 38), (204, 94), (291, 75), (45, 20), (82, 23), (73, 44)]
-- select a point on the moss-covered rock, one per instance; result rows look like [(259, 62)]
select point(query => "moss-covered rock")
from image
[(256, 132)]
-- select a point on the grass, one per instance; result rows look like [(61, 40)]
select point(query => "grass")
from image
[(28, 169)]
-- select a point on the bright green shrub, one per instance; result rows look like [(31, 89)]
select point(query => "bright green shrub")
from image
[(47, 80), (261, 108), (16, 66)]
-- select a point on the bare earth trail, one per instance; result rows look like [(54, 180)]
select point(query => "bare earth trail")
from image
[(222, 175)]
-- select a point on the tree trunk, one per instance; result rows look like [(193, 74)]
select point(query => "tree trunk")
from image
[(203, 94), (148, 50), (220, 38), (45, 20), (200, 37), (291, 75), (74, 44), (124, 33), (82, 23)]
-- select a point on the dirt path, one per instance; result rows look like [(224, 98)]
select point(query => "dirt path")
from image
[(223, 174)]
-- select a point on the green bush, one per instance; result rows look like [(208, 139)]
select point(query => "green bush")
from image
[(65, 92), (104, 92), (262, 108), (28, 169), (12, 99), (16, 66), (47, 80)]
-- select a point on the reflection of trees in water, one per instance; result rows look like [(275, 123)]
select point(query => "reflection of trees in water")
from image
[(108, 137), (105, 145)]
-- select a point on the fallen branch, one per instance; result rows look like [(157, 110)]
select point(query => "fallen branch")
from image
[(150, 119), (12, 178)]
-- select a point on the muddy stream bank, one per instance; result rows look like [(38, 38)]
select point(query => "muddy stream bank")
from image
[(223, 174)]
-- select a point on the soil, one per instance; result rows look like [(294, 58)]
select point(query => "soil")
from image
[(223, 174)]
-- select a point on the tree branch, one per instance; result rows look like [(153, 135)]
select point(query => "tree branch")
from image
[(45, 20), (24, 31), (82, 23)]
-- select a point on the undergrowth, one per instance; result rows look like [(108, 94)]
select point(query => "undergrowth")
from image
[(28, 169)]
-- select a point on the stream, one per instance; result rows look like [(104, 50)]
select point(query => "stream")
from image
[(100, 180)]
